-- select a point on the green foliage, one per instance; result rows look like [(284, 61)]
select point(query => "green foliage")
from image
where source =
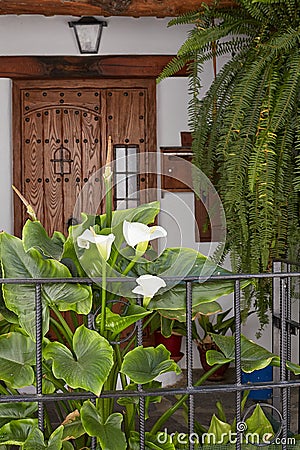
[(85, 361), (246, 127)]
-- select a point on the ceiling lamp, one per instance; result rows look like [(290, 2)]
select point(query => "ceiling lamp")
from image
[(88, 32)]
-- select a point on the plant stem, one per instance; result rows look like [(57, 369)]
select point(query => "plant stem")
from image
[(59, 330), (130, 265), (103, 300), (167, 414), (68, 331), (108, 203)]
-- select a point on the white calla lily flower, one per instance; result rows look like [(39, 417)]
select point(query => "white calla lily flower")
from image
[(136, 232), (102, 241), (148, 286)]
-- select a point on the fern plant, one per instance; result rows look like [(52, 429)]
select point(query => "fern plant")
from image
[(247, 126)]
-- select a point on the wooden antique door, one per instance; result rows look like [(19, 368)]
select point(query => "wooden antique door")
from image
[(61, 130)]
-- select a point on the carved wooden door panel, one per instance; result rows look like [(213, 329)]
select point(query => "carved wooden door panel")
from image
[(62, 138)]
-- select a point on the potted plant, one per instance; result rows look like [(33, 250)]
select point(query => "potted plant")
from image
[(212, 324), (245, 129)]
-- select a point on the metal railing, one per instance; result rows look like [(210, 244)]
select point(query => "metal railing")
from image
[(283, 382)]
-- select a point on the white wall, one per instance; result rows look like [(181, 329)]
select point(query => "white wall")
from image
[(39, 35), (6, 216)]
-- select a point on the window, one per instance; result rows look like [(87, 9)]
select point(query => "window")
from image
[(126, 173)]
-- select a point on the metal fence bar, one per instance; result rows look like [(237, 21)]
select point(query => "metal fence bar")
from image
[(289, 340), (189, 361), (142, 416), (238, 367), (276, 268), (39, 355), (283, 384), (200, 279), (283, 359)]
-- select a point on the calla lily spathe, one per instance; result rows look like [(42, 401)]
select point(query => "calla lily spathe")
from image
[(136, 232), (102, 241), (148, 286)]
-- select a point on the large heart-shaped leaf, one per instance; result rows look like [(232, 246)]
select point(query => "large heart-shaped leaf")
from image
[(34, 236), (20, 298), (253, 356), (11, 411), (89, 367), (17, 355), (109, 434), (16, 432), (142, 365)]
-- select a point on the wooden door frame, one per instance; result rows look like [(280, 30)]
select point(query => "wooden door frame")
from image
[(71, 67)]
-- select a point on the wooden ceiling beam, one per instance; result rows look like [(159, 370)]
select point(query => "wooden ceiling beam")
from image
[(116, 66), (133, 8)]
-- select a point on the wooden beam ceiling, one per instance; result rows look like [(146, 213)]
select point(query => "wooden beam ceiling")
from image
[(133, 8)]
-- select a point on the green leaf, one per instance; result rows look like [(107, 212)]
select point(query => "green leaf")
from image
[(218, 432), (17, 431), (258, 424), (142, 365), (90, 365), (109, 434), (67, 446), (295, 368), (16, 263), (145, 213), (253, 356), (55, 440), (34, 236), (73, 429), (186, 262), (117, 323), (17, 355), (11, 411), (214, 357), (202, 309), (35, 440)]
